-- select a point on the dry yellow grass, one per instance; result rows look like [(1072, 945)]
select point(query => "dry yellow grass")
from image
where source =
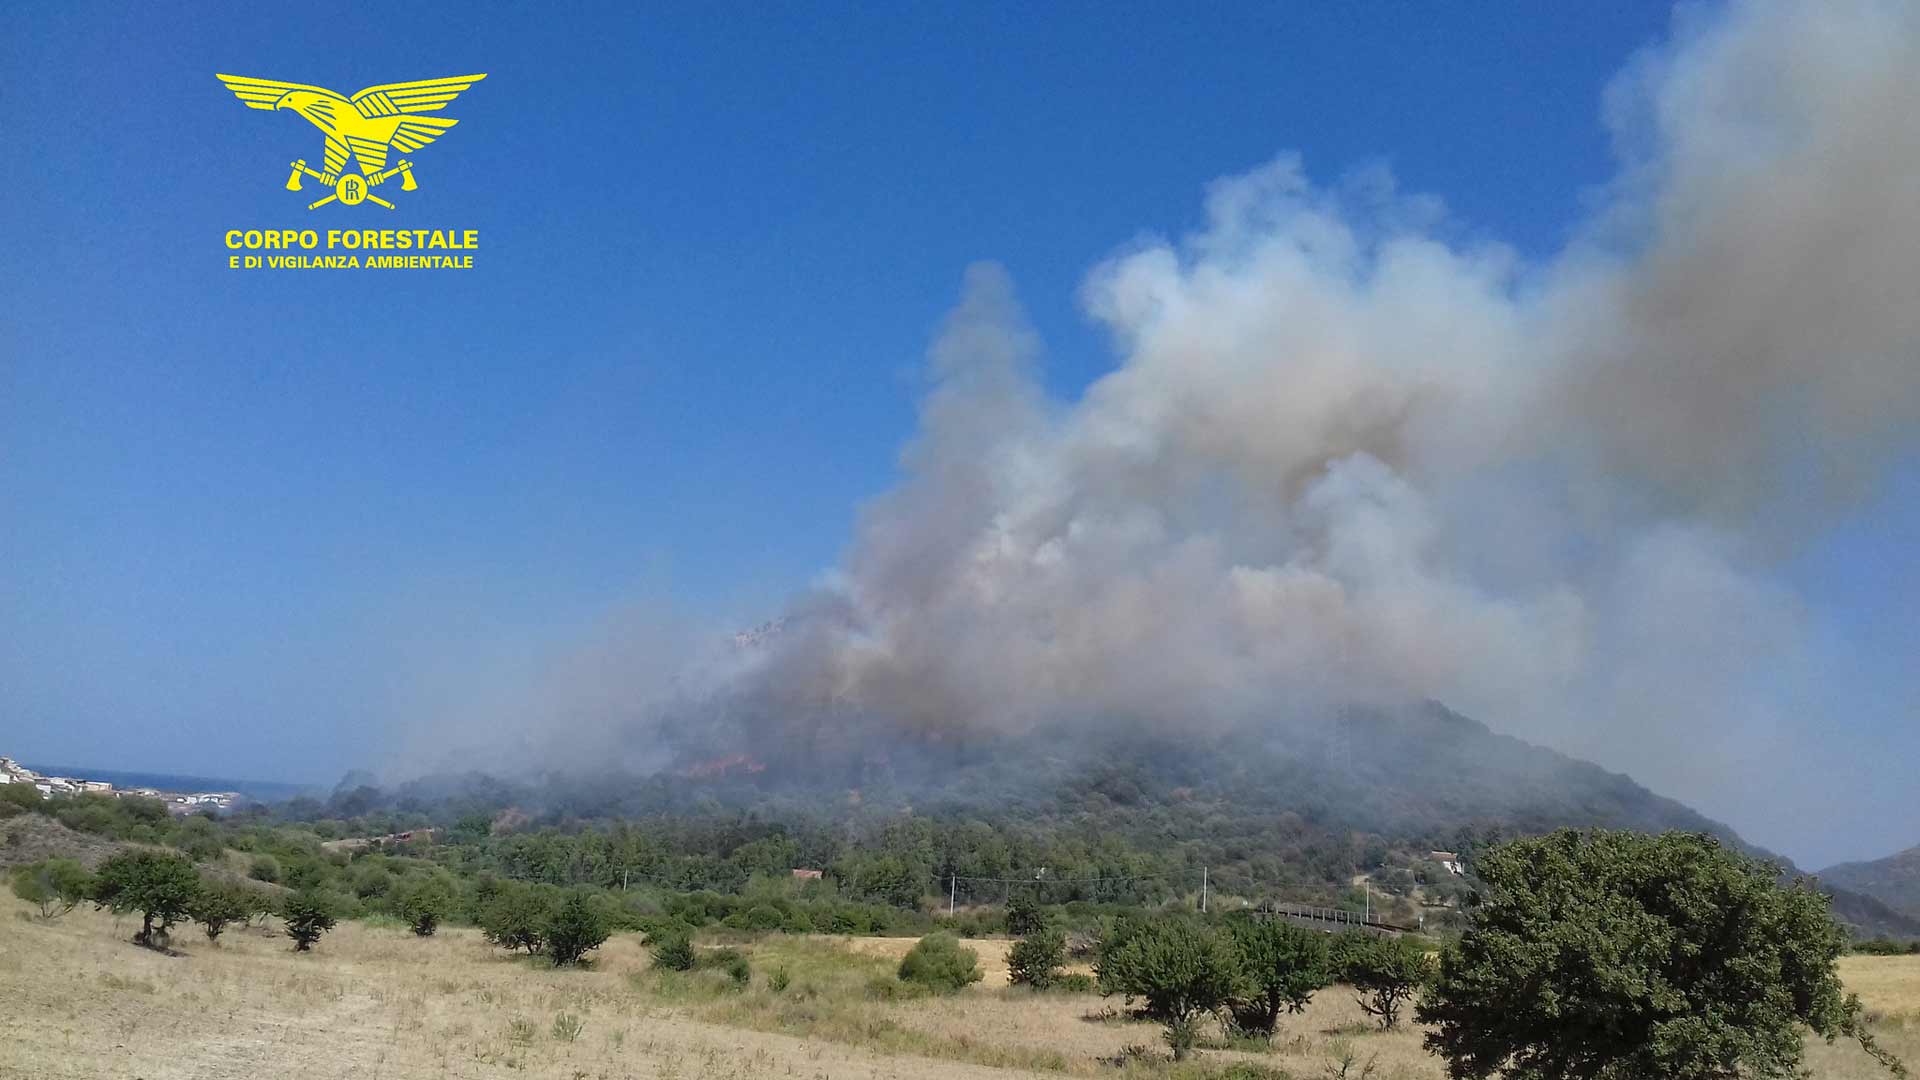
[(76, 1000)]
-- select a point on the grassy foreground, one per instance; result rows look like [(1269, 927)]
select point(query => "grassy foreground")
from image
[(377, 1002)]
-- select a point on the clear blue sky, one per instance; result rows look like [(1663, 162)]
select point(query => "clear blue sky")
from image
[(715, 241)]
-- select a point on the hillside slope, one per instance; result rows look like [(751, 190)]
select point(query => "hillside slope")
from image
[(1894, 880), (1317, 798)]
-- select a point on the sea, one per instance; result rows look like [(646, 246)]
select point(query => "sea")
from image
[(258, 790)]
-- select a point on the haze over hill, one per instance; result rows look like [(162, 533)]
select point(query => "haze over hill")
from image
[(1894, 880), (1309, 800)]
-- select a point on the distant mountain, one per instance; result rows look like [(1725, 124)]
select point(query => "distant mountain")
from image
[(1894, 880)]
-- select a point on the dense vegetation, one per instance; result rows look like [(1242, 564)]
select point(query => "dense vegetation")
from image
[(1623, 955)]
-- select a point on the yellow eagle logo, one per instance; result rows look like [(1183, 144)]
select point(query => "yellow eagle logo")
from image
[(366, 127)]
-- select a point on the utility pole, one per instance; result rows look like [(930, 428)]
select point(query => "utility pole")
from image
[(953, 889), (1203, 890)]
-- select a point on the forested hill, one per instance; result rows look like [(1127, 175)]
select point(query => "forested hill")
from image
[(1352, 792)]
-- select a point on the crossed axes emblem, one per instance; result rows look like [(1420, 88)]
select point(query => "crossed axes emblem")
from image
[(351, 189)]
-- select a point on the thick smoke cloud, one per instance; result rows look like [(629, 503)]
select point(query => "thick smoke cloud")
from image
[(1350, 454), (1346, 455)]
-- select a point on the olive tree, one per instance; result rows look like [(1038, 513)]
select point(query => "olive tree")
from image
[(55, 886), (1183, 971), (221, 904), (1386, 973), (308, 914), (1281, 966), (161, 886), (1628, 957)]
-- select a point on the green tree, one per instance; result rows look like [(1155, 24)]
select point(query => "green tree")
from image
[(1182, 969), (264, 868), (1281, 966), (1036, 960), (940, 962), (674, 952), (517, 917), (1387, 972), (577, 927), (55, 886), (1024, 915), (1623, 956), (222, 903), (424, 902), (308, 914), (161, 886)]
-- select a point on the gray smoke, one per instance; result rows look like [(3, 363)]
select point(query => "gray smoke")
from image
[(1346, 456)]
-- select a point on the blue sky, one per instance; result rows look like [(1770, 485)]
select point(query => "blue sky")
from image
[(714, 244)]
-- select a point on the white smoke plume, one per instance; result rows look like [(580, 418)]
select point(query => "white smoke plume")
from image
[(1346, 455)]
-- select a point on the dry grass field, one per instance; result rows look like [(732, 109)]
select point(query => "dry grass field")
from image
[(76, 1000)]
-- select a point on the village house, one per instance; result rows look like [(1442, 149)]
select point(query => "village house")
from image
[(1451, 860)]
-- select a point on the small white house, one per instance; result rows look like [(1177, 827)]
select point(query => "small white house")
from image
[(1451, 860)]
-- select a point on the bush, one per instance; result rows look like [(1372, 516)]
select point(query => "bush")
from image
[(1620, 954), (423, 902), (778, 980), (161, 886), (517, 917), (1024, 916), (764, 917), (264, 868), (1036, 959), (18, 798), (578, 927), (940, 962), (1181, 968), (1387, 972), (220, 904), (739, 971), (1076, 982), (55, 886), (1281, 966), (673, 952), (308, 914)]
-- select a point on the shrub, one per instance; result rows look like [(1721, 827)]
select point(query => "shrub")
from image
[(673, 952), (1076, 982), (220, 904), (55, 886), (1181, 968), (740, 972), (940, 962), (517, 917), (1619, 954), (264, 868), (1024, 916), (764, 917), (1387, 973), (1281, 966), (423, 902), (1036, 959), (778, 980), (578, 927), (308, 914), (567, 1027), (18, 798), (161, 886)]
